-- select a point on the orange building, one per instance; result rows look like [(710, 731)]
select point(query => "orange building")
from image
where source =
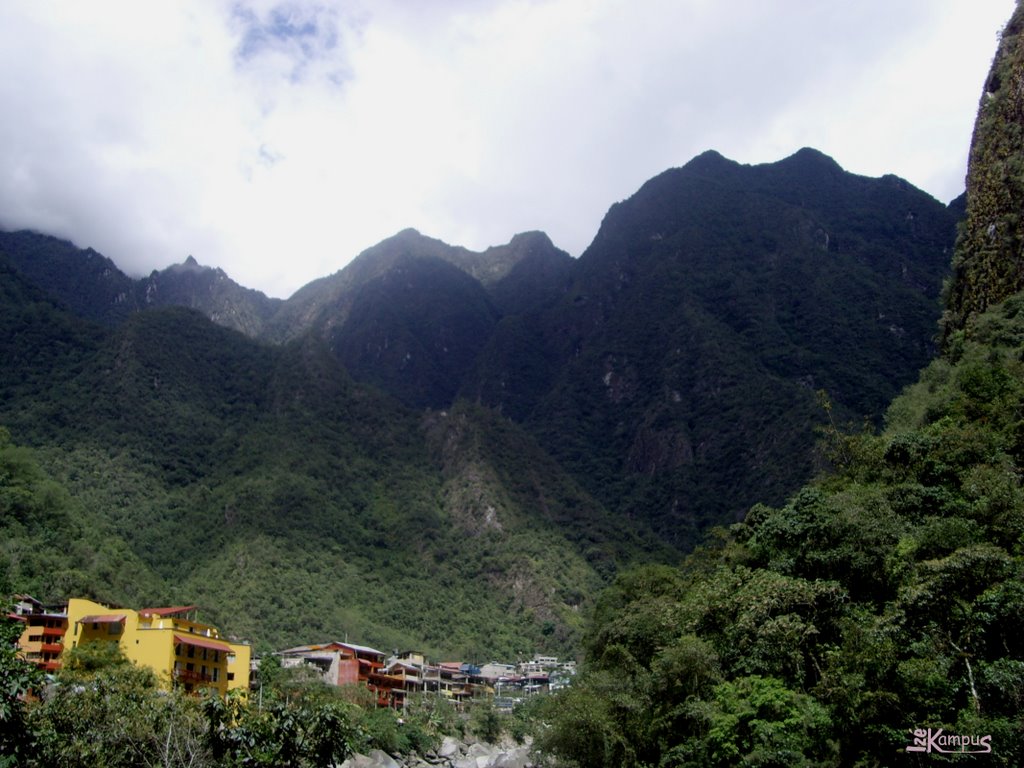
[(42, 639), (348, 664)]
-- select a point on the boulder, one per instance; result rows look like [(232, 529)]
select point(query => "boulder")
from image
[(517, 757), (376, 759), (449, 747)]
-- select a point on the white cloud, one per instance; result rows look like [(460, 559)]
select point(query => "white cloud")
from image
[(278, 139)]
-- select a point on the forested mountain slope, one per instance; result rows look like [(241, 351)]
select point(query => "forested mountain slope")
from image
[(678, 376), (289, 501), (674, 369), (512, 425), (874, 618)]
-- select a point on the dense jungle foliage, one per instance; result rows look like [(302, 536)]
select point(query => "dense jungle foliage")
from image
[(886, 596), (385, 564), (171, 461)]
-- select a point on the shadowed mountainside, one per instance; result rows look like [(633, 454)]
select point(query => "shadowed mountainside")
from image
[(495, 432)]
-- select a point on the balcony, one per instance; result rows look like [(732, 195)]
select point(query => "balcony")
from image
[(52, 647), (191, 676), (53, 632)]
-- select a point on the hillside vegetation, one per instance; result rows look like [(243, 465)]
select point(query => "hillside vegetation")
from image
[(672, 369), (455, 450), (887, 595), (989, 263), (177, 461), (491, 455), (875, 618)]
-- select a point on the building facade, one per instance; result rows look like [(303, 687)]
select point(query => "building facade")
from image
[(42, 636), (182, 651)]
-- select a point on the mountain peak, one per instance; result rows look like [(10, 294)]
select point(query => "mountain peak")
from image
[(810, 158), (809, 154), (188, 265), (711, 156), (406, 240), (409, 233), (711, 161), (532, 238), (410, 237)]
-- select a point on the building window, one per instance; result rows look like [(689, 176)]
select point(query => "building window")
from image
[(216, 674), (231, 676), (191, 651)]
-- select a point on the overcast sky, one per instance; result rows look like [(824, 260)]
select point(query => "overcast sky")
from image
[(277, 140)]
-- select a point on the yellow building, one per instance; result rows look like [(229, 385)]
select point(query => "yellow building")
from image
[(180, 650)]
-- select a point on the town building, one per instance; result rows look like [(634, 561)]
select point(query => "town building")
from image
[(494, 670), (392, 681), (182, 651), (349, 664), (42, 636)]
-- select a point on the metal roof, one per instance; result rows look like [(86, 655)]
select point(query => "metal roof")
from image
[(108, 618), (170, 611), (202, 642)]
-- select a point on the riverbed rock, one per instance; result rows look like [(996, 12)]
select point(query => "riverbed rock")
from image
[(376, 759), (451, 754), (450, 747)]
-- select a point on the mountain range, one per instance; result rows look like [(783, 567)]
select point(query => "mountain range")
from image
[(456, 449)]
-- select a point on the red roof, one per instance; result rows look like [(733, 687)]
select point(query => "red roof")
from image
[(202, 642), (171, 611), (107, 618)]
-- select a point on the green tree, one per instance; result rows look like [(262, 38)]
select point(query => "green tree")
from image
[(17, 679), (104, 710), (485, 722), (757, 721), (582, 729)]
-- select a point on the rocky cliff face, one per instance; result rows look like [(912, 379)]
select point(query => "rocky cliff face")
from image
[(325, 304), (989, 261), (677, 373), (209, 291)]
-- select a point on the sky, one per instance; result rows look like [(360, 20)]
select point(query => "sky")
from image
[(277, 140)]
